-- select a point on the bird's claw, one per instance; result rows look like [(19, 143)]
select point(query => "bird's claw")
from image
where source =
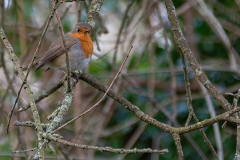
[(74, 77)]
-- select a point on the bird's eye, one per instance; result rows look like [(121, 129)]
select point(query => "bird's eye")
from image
[(78, 30)]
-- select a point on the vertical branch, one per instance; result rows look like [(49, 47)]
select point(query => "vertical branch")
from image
[(30, 65), (171, 65), (177, 141), (215, 125), (40, 41), (54, 4), (237, 154), (235, 102), (93, 15), (45, 94), (2, 56), (191, 113), (173, 77), (94, 11), (185, 52), (28, 90), (79, 9)]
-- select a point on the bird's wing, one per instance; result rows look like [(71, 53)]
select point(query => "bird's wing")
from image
[(56, 49)]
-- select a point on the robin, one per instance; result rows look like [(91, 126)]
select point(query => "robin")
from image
[(80, 49)]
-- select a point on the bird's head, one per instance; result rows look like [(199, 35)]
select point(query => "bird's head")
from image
[(82, 28)]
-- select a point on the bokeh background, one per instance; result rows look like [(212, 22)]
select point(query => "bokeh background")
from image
[(154, 69)]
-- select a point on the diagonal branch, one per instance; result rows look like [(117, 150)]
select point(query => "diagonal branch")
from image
[(185, 50), (192, 114), (119, 71), (146, 118)]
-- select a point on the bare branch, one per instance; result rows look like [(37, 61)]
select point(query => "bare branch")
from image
[(119, 71), (104, 149), (28, 90), (184, 49)]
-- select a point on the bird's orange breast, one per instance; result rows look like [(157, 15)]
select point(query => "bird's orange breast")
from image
[(85, 42)]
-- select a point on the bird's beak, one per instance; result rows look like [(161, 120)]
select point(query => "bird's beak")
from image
[(86, 31)]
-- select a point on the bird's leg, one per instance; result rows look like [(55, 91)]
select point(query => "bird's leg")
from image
[(74, 76)]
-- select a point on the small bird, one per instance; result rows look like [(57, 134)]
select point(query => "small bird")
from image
[(80, 49)]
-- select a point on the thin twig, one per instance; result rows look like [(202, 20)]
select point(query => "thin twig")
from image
[(9, 81), (162, 109), (64, 44), (188, 90), (171, 64), (120, 32), (190, 108), (23, 151), (30, 65), (28, 90), (65, 12), (45, 94), (215, 127), (3, 64), (119, 71), (234, 105), (104, 149), (29, 124), (146, 118)]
